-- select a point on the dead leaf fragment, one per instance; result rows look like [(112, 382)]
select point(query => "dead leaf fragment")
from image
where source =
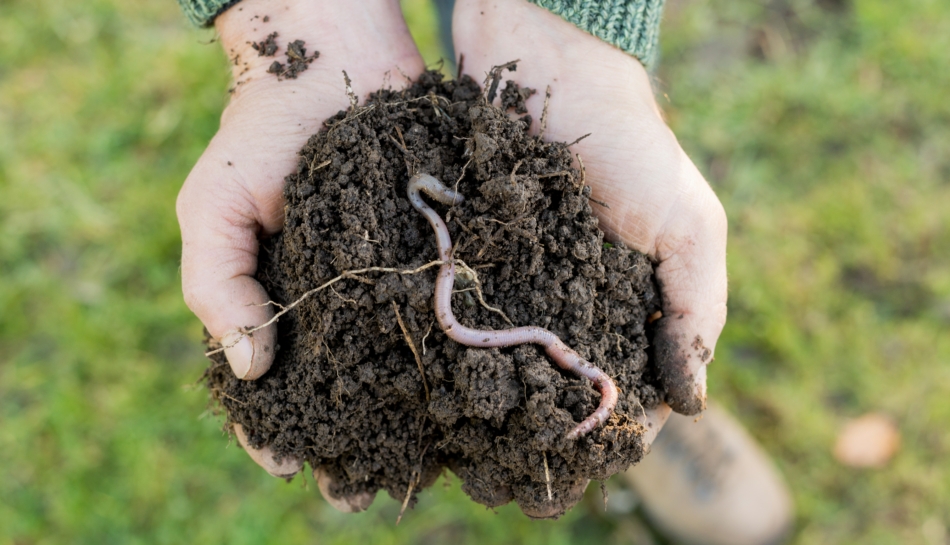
[(868, 441)]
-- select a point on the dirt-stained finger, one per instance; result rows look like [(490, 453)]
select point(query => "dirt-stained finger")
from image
[(353, 503), (219, 229), (285, 468), (691, 251)]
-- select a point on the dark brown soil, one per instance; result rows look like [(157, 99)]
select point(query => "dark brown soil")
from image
[(345, 391), (266, 47), (297, 59)]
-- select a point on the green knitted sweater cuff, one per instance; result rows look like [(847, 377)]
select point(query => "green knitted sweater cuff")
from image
[(203, 12), (631, 25)]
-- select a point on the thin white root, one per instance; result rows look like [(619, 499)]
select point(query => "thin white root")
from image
[(405, 502), (478, 290), (544, 112), (412, 346), (547, 476), (348, 274)]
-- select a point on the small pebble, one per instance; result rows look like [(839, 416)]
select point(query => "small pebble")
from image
[(868, 441)]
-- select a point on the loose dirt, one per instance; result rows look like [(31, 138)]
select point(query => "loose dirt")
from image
[(297, 59), (346, 392)]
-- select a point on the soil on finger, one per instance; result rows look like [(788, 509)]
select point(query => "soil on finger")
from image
[(346, 392)]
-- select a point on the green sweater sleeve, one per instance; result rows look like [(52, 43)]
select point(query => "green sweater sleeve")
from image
[(202, 12), (631, 25)]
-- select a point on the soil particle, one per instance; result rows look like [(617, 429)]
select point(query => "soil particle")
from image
[(514, 96), (297, 59), (345, 392), (266, 47)]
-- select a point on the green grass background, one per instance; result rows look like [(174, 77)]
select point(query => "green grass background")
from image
[(823, 125)]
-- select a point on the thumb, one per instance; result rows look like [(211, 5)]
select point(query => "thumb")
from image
[(691, 251), (219, 223)]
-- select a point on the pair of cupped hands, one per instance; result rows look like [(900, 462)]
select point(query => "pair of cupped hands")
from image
[(658, 201)]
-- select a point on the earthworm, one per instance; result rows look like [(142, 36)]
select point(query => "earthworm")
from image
[(563, 355)]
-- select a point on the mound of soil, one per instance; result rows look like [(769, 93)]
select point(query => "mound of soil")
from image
[(346, 392)]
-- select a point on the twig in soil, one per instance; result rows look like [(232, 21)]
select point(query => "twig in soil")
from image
[(402, 147), (344, 299), (514, 183), (494, 75), (346, 274), (462, 175), (366, 237), (578, 140), (603, 493), (405, 502), (225, 394), (424, 337), (401, 138), (416, 473), (349, 91), (514, 171), (547, 475), (563, 355), (318, 167), (544, 112), (583, 174), (412, 346), (478, 291)]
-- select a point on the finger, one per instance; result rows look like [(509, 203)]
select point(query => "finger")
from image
[(557, 506), (219, 226), (653, 421), (287, 467), (691, 252), (353, 503)]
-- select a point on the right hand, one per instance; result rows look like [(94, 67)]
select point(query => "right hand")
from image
[(234, 194), (658, 201)]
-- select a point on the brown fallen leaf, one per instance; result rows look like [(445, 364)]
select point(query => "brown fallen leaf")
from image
[(868, 441)]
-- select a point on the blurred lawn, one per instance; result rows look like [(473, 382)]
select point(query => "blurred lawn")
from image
[(824, 125)]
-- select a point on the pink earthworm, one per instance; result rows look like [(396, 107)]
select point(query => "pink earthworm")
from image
[(563, 355)]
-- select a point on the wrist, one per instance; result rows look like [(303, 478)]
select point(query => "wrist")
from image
[(353, 31)]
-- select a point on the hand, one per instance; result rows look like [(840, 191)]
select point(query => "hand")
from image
[(234, 194), (659, 202)]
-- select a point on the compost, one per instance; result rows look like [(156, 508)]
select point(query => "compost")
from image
[(367, 386)]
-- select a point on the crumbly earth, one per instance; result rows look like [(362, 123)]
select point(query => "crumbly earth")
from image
[(297, 59), (346, 392)]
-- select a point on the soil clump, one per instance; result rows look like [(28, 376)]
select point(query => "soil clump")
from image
[(346, 392), (297, 59)]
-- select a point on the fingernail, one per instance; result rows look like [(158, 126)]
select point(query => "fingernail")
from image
[(240, 354), (701, 384), (701, 381), (355, 503), (287, 468)]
